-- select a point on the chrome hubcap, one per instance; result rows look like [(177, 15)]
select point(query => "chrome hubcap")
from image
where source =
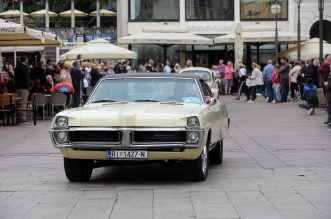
[(204, 157)]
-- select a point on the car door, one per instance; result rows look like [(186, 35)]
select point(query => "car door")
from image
[(213, 113)]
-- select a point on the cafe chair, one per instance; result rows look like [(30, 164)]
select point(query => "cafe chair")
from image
[(6, 108), (57, 99), (40, 100)]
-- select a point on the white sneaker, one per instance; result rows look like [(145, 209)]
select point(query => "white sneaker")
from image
[(311, 111), (274, 101), (251, 101), (258, 94), (267, 100)]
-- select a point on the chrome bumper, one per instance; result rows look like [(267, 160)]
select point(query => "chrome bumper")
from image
[(126, 142)]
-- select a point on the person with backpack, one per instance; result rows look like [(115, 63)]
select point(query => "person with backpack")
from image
[(310, 95)]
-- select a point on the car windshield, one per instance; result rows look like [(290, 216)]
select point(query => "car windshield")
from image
[(206, 76), (147, 90)]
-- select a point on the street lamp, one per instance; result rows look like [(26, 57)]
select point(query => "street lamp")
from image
[(299, 29), (321, 9), (275, 10)]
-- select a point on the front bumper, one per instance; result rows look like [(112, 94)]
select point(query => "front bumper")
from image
[(156, 150)]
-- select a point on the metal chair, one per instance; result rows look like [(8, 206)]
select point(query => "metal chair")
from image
[(40, 101), (57, 99), (7, 108)]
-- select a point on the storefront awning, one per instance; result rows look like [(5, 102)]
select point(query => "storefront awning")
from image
[(165, 36)]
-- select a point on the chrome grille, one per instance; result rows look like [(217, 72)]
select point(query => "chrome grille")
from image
[(94, 136), (159, 137)]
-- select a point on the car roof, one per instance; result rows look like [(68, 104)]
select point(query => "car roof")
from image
[(195, 69), (153, 75)]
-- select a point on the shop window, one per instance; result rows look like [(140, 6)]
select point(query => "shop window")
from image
[(261, 9), (208, 10), (153, 10)]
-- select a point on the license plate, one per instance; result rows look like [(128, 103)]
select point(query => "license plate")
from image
[(126, 154)]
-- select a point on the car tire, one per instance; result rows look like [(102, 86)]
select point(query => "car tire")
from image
[(78, 170), (216, 154), (197, 170)]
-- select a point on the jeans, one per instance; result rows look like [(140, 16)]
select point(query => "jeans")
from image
[(277, 95), (256, 89), (76, 99), (269, 90), (294, 89), (328, 108), (284, 89)]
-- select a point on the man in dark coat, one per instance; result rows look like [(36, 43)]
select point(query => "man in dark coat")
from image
[(76, 77), (284, 78), (22, 84)]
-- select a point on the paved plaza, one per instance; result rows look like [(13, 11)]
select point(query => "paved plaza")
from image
[(277, 164)]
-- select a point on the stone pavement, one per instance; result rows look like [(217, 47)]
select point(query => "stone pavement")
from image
[(277, 164)]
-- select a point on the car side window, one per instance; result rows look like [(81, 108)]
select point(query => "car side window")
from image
[(205, 89)]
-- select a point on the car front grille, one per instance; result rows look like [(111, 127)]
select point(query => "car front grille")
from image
[(159, 137), (94, 136)]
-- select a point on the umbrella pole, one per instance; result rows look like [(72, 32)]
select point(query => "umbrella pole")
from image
[(164, 54), (14, 57)]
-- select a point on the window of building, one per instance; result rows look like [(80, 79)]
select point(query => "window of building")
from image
[(210, 10), (261, 9), (153, 10)]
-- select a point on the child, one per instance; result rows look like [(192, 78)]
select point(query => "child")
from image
[(276, 85)]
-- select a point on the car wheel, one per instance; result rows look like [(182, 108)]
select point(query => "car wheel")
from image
[(197, 170), (216, 155), (78, 170)]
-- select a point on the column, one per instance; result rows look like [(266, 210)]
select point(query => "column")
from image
[(57, 57), (46, 15), (98, 13), (72, 14), (21, 13)]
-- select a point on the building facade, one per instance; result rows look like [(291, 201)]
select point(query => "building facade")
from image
[(213, 18)]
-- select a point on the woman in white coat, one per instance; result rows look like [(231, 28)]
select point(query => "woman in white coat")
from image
[(256, 82)]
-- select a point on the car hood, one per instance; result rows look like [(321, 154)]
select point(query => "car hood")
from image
[(132, 114)]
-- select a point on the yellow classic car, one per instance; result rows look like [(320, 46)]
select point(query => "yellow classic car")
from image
[(143, 118)]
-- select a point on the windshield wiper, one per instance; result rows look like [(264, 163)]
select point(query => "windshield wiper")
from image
[(104, 101), (147, 100)]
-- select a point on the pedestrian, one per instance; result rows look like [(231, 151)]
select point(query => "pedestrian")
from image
[(267, 77), (22, 84), (167, 68), (310, 95), (242, 81), (150, 66), (66, 71), (328, 99), (311, 71), (284, 71), (39, 73), (256, 82), (76, 77), (49, 86), (95, 75), (276, 85), (188, 63), (324, 71), (294, 73), (228, 77), (177, 68), (221, 70)]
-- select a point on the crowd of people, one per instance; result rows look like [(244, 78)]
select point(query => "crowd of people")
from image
[(278, 83)]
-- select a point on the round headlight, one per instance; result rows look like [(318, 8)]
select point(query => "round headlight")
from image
[(193, 122), (61, 137), (61, 122), (192, 137)]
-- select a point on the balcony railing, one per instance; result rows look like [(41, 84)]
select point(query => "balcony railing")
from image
[(72, 34)]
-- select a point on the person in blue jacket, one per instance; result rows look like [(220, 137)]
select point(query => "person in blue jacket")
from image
[(310, 96)]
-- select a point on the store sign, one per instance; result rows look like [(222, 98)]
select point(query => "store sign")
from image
[(210, 28)]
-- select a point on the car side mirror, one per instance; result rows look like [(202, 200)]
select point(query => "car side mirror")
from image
[(215, 93)]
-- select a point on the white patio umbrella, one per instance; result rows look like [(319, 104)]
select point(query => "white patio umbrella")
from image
[(309, 49), (12, 13), (104, 13), (42, 13), (99, 49)]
